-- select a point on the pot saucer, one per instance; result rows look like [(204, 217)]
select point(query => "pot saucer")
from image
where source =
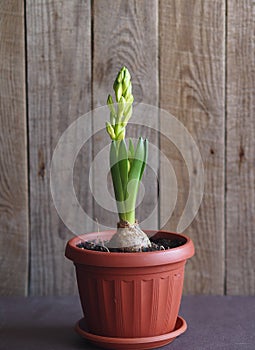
[(131, 343)]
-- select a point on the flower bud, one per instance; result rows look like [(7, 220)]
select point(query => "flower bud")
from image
[(112, 118), (125, 84), (128, 111), (121, 106), (110, 131), (130, 99), (121, 134), (121, 74), (128, 91), (118, 91), (110, 104)]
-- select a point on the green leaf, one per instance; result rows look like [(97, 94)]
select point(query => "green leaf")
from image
[(137, 160), (116, 178), (131, 152), (146, 146), (123, 165), (134, 175)]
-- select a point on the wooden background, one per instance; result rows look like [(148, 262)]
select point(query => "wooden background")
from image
[(194, 58)]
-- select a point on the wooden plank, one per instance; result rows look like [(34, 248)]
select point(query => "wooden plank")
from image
[(192, 89), (126, 33), (240, 170), (13, 155), (59, 84)]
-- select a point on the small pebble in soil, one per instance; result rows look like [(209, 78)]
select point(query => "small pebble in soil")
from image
[(156, 244)]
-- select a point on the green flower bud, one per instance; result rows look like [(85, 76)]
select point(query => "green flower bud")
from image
[(119, 117), (118, 91), (110, 131), (130, 99), (109, 100), (125, 84), (111, 105), (127, 117), (128, 91), (121, 74), (121, 107), (112, 118), (127, 74), (128, 111), (120, 134)]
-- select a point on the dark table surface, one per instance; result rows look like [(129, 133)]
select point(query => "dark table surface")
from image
[(226, 323)]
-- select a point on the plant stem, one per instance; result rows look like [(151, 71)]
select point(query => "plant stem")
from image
[(130, 217)]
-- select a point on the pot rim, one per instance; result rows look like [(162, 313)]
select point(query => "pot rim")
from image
[(134, 259)]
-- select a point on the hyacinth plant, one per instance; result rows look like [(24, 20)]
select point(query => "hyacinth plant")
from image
[(127, 164)]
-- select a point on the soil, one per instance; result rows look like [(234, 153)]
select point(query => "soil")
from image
[(156, 244)]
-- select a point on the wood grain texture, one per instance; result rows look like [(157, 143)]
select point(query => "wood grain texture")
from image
[(126, 33), (192, 82), (59, 85), (13, 155), (190, 40), (240, 166)]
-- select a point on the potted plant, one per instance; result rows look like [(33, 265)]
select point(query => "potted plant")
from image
[(130, 281)]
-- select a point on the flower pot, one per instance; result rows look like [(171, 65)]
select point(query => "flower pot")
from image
[(130, 299)]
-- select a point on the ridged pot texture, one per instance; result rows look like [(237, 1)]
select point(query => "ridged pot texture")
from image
[(130, 294)]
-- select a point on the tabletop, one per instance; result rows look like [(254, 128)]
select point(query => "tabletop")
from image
[(214, 322)]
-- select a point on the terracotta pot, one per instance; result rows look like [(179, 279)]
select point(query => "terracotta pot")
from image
[(130, 295)]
